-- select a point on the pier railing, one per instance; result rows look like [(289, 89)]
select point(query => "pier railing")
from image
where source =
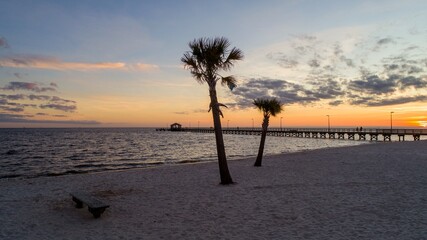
[(331, 133)]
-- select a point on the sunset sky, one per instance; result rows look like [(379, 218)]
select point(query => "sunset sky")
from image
[(117, 63)]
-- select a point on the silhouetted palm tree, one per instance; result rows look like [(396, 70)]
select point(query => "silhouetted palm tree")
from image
[(204, 60), (268, 107)]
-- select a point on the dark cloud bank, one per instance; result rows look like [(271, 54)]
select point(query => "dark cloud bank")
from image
[(397, 79), (13, 105), (18, 96), (369, 91), (17, 118), (27, 86)]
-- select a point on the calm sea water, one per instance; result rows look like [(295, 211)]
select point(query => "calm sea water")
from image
[(50, 152)]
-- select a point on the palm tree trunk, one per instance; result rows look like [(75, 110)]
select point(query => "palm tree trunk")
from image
[(262, 143), (222, 160)]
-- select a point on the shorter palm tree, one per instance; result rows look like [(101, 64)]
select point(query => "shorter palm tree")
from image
[(268, 107)]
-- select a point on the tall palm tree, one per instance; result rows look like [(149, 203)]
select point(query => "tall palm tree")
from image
[(205, 59), (268, 107)]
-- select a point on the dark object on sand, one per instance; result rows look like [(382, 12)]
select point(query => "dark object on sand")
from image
[(94, 205)]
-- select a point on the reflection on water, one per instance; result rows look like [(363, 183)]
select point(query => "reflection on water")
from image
[(49, 152)]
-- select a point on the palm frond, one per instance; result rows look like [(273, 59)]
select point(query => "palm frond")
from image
[(220, 113), (230, 81), (221, 45), (234, 55), (269, 106), (222, 105), (207, 56)]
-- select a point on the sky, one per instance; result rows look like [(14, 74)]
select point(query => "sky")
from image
[(117, 63)]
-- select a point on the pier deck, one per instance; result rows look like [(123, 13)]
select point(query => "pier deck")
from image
[(369, 134)]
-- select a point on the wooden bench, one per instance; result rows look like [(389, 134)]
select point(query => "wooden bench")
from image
[(94, 205)]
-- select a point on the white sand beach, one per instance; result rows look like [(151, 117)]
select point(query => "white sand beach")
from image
[(373, 191)]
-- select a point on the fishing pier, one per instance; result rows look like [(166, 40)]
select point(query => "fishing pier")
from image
[(368, 134)]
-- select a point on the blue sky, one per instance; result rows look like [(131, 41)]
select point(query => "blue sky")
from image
[(117, 63)]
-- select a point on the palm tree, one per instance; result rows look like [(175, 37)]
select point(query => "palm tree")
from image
[(268, 107), (205, 59)]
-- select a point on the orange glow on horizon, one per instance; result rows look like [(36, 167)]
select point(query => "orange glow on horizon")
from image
[(296, 116)]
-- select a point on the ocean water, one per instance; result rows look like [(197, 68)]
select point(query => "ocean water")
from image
[(51, 152)]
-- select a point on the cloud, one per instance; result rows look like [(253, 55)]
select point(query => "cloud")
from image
[(314, 63), (16, 102), (304, 44), (8, 106), (374, 84), (382, 42), (17, 118), (54, 115), (370, 90), (342, 72), (38, 97), (6, 117), (12, 97), (50, 63), (27, 86), (336, 103), (326, 87), (181, 113), (323, 70), (21, 104), (402, 65), (11, 109), (33, 97), (60, 107), (349, 62), (411, 82), (143, 67), (201, 110), (14, 107), (287, 62), (307, 52), (61, 100), (410, 48), (379, 102), (42, 62), (287, 92)]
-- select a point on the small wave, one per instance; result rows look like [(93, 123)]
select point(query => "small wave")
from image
[(11, 152), (98, 152), (152, 163), (10, 176), (189, 161), (53, 174), (92, 165), (75, 157), (16, 164), (75, 172)]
